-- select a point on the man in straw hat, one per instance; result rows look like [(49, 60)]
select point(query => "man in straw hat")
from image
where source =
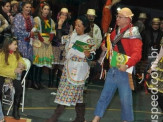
[(95, 33), (152, 38), (161, 25), (151, 42), (117, 78), (141, 22), (14, 7)]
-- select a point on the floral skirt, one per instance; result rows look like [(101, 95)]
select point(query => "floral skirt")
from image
[(67, 93), (157, 81), (43, 56), (25, 49)]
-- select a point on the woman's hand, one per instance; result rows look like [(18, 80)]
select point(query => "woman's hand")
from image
[(18, 70), (87, 53), (21, 65), (60, 23)]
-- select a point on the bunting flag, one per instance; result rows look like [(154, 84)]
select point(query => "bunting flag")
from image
[(118, 58), (109, 47), (81, 46)]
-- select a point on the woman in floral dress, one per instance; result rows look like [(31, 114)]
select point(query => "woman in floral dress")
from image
[(75, 71), (23, 24), (156, 83)]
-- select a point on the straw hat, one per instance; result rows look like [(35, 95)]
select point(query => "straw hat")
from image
[(143, 15), (64, 10), (126, 12), (156, 20), (14, 2), (36, 43), (91, 12)]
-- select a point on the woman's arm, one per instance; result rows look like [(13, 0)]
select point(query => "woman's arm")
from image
[(4, 23)]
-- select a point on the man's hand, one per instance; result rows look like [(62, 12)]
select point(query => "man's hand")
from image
[(149, 71), (103, 48), (122, 67), (108, 7)]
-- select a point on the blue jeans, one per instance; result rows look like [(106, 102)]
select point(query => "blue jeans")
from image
[(116, 79), (1, 113)]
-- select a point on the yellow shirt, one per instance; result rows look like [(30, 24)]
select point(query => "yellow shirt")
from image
[(9, 70)]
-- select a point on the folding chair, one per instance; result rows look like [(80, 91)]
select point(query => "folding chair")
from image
[(28, 65), (8, 99)]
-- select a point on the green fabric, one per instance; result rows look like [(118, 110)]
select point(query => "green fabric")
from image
[(44, 60), (81, 46), (48, 29), (118, 58)]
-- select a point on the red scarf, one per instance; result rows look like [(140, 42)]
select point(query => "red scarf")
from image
[(28, 23)]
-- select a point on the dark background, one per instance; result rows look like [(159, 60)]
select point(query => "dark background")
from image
[(153, 8), (155, 4)]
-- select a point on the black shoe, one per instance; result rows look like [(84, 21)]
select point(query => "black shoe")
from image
[(49, 86), (40, 86), (15, 113), (16, 116), (35, 86)]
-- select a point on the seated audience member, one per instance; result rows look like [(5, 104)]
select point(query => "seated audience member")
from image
[(11, 64)]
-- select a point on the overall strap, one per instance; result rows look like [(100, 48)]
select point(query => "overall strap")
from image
[(117, 41), (120, 47)]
